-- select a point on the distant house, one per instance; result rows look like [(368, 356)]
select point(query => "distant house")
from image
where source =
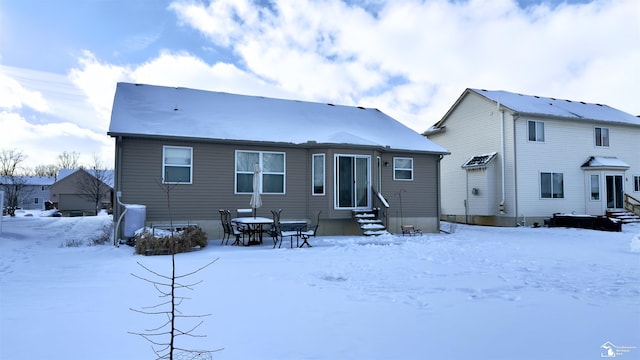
[(519, 159), (82, 191), (31, 192), (313, 157)]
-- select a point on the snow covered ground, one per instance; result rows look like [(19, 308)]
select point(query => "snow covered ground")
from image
[(479, 293)]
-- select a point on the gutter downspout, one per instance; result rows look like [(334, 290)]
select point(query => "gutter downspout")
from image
[(502, 161), (515, 170), (438, 186), (466, 197), (117, 186)]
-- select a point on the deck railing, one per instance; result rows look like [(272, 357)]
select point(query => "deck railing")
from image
[(632, 204), (382, 204)]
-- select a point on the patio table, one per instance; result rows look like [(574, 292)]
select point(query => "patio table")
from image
[(254, 225)]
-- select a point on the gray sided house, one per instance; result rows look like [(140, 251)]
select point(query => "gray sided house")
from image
[(519, 159), (313, 157), (83, 191)]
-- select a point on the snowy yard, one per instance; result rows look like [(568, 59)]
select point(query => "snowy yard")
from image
[(479, 293)]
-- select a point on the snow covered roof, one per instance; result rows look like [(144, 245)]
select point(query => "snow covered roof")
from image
[(605, 162), (157, 111), (479, 161), (539, 105), (28, 180)]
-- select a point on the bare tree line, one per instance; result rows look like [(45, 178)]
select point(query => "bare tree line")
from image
[(14, 176)]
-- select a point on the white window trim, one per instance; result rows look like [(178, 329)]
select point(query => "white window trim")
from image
[(262, 172), (591, 187), (190, 166), (313, 174), (403, 169), (540, 185), (544, 135), (595, 140)]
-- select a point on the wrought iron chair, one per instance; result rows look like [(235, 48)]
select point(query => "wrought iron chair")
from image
[(310, 232), (236, 230), (225, 226), (280, 234)]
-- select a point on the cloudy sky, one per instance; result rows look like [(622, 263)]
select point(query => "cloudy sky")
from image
[(60, 60)]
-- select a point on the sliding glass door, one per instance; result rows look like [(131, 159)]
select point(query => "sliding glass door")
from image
[(352, 181), (615, 192)]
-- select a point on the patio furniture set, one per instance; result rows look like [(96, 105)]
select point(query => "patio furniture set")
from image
[(245, 226)]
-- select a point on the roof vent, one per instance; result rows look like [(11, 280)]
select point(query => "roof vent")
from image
[(330, 104), (360, 107)]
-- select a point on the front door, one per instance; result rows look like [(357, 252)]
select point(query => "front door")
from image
[(352, 181), (615, 191)]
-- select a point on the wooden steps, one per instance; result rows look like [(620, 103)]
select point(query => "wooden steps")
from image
[(624, 217)]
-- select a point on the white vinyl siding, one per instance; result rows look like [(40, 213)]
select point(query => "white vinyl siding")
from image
[(177, 164)]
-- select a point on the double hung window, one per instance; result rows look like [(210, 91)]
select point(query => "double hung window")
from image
[(272, 171), (177, 164), (402, 168), (602, 137), (535, 130)]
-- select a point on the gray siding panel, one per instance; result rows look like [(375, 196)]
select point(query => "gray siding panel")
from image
[(213, 182)]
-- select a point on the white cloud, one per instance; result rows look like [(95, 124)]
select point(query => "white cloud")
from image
[(408, 58), (14, 96), (330, 50), (98, 82), (43, 142)]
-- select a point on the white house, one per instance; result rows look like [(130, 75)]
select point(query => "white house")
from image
[(519, 159), (29, 192)]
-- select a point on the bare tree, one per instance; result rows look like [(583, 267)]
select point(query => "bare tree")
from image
[(13, 184), (11, 161), (50, 170), (93, 184), (68, 160), (163, 338)]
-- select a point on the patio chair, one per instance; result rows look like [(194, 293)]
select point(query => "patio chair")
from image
[(310, 232), (273, 231), (244, 213), (225, 226), (235, 229), (410, 230), (281, 234)]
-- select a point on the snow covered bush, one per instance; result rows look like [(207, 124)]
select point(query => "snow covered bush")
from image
[(182, 241), (104, 237)]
